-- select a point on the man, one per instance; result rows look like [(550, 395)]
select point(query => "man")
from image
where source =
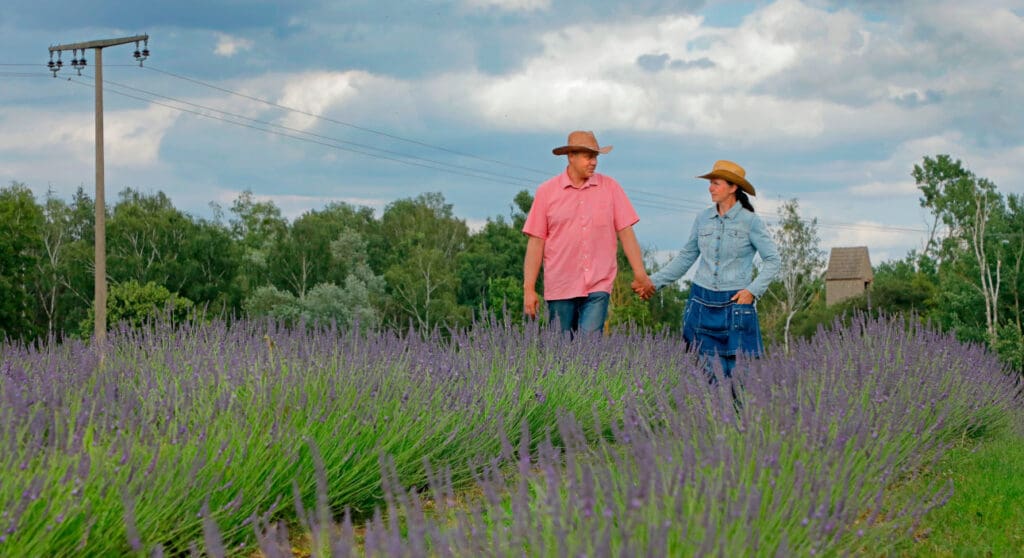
[(572, 228)]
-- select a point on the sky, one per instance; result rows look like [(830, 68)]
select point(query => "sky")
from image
[(309, 102)]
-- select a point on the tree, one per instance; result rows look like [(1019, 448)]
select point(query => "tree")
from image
[(802, 262), (355, 301), (56, 236), (421, 266), (256, 227), (21, 225), (493, 260), (135, 304), (302, 257), (970, 208)]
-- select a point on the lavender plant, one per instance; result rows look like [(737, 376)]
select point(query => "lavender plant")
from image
[(799, 466), (213, 439), (181, 429)]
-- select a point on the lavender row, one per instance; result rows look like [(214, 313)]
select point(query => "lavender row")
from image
[(798, 462), (212, 438), (177, 426)]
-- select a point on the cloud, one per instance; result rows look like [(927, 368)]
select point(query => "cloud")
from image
[(319, 93), (880, 189), (510, 5), (228, 46), (132, 138)]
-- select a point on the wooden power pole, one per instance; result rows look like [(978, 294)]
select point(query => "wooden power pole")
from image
[(100, 290)]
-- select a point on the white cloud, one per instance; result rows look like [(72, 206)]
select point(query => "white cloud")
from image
[(131, 137), (228, 46), (510, 5), (318, 93)]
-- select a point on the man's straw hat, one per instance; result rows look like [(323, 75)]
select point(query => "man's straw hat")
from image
[(731, 172), (581, 141)]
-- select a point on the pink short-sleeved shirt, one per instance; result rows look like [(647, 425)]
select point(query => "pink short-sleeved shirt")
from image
[(580, 231)]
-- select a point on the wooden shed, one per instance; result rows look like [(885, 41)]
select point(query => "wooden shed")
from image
[(848, 275)]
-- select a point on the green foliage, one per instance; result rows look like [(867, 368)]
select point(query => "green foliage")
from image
[(136, 304), (1010, 347), (662, 312), (424, 239), (493, 259), (418, 263), (21, 229)]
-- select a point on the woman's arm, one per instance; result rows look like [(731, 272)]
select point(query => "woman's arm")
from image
[(771, 263), (681, 263)]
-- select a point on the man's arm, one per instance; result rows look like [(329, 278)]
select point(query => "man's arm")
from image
[(531, 269), (631, 247)]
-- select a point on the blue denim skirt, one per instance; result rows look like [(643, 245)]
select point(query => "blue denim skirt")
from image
[(715, 325)]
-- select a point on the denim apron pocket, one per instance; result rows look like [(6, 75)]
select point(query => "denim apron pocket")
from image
[(706, 325), (744, 330)]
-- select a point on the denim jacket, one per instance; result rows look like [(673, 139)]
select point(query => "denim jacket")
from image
[(726, 245)]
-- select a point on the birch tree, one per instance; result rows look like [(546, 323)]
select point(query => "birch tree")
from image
[(802, 263)]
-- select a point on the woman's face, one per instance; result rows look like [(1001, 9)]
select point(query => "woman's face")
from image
[(721, 190)]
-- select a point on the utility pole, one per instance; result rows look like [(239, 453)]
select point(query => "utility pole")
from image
[(100, 290)]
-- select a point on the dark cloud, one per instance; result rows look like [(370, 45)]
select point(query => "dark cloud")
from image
[(700, 63), (658, 62), (915, 99), (228, 16), (653, 62)]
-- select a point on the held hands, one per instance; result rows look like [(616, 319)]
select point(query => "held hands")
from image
[(643, 287), (743, 297)]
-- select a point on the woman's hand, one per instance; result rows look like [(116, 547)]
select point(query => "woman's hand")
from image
[(743, 297)]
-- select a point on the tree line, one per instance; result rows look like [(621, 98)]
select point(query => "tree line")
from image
[(418, 265)]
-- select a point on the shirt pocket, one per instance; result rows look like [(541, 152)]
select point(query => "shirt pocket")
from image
[(706, 238), (602, 214), (736, 241)]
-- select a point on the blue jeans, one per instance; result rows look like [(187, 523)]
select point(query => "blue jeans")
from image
[(583, 313)]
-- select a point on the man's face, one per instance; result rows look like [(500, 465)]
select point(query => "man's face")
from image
[(583, 163)]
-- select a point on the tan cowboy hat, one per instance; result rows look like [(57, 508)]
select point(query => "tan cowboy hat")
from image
[(731, 172), (581, 141)]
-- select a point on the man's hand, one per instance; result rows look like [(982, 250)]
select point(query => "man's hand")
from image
[(743, 297), (531, 303), (643, 287)]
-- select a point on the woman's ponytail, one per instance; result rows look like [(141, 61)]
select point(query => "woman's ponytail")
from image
[(744, 200)]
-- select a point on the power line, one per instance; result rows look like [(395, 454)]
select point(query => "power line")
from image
[(343, 123), (296, 137), (320, 136), (642, 198)]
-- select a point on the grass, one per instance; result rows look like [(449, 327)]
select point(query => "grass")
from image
[(985, 516)]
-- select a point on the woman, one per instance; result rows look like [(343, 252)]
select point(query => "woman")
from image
[(720, 318)]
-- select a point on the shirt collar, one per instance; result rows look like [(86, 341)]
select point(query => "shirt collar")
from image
[(733, 212), (567, 182)]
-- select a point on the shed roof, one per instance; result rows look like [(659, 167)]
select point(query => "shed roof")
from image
[(849, 263)]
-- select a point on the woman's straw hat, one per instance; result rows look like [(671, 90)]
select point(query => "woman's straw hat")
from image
[(731, 172)]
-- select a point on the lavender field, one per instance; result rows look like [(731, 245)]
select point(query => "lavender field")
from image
[(494, 441)]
